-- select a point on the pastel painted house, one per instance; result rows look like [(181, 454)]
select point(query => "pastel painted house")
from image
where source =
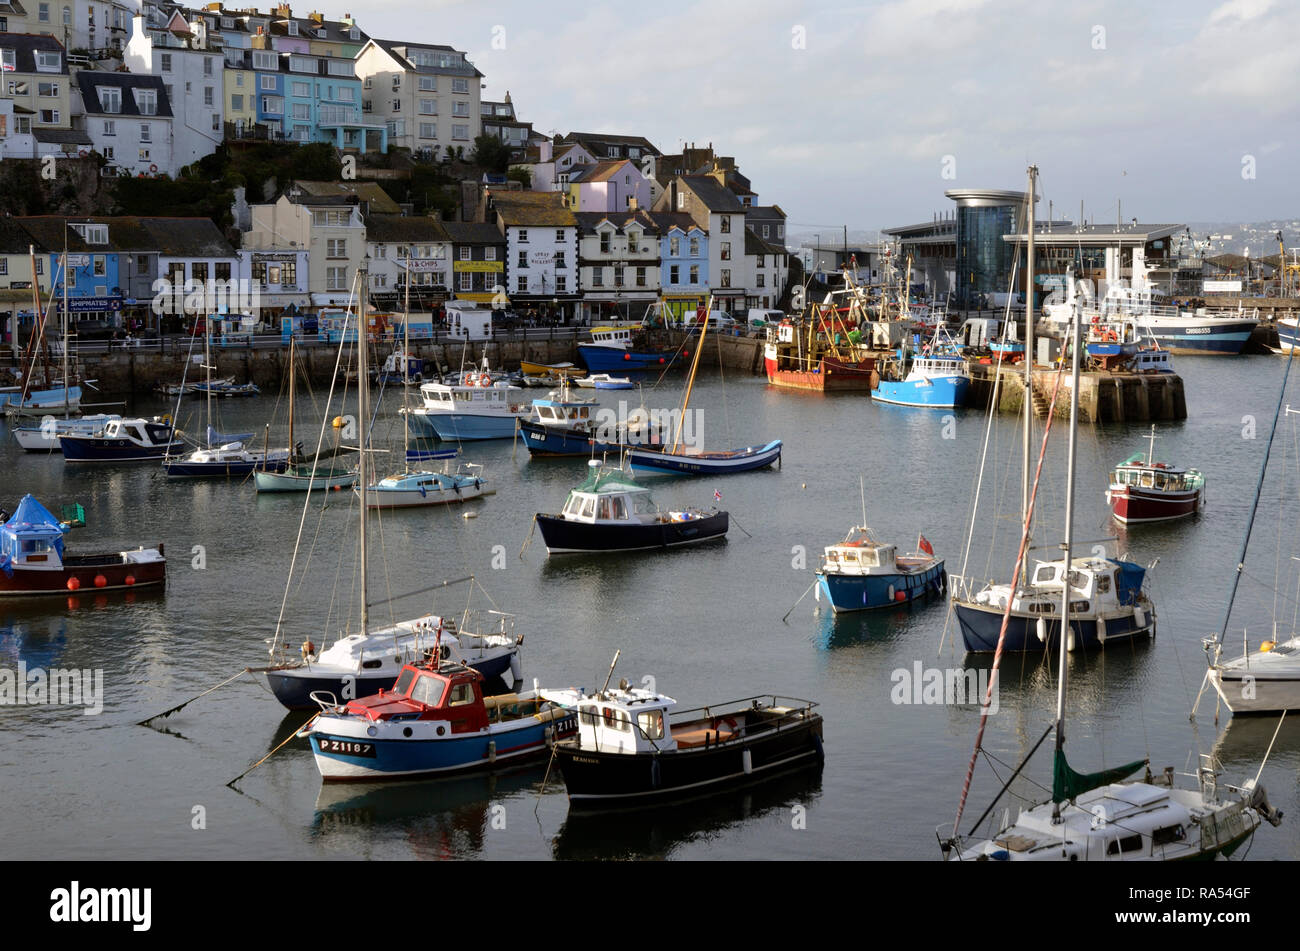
[(615, 185), (684, 263)]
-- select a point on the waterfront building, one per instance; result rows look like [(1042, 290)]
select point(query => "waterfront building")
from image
[(34, 71), (618, 263), (684, 263), (395, 242), (613, 185), (428, 96), (129, 120), (478, 261), (766, 221), (717, 210), (541, 250), (553, 164), (329, 227), (767, 268)]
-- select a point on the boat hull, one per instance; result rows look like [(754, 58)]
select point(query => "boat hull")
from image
[(706, 463), (868, 592), (830, 376), (114, 450), (1246, 692), (460, 427), (946, 392), (179, 469), (381, 498), (1213, 339), (116, 572), (1132, 504), (980, 625), (605, 780), (566, 537), (617, 360)]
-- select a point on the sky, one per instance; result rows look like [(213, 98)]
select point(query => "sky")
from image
[(862, 114)]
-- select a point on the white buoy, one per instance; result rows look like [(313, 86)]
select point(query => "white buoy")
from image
[(469, 515), (1139, 618), (891, 592), (492, 751), (1069, 640), (1101, 630), (747, 762), (1042, 630)]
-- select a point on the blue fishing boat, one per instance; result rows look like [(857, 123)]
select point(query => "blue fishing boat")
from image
[(860, 573), (615, 350), (560, 425), (688, 462), (937, 377), (434, 721)]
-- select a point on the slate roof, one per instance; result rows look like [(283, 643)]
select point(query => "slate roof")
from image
[(397, 49), (714, 197), (27, 45), (667, 220), (344, 193), (172, 237), (597, 142), (533, 209), (62, 136), (473, 232), (405, 229), (90, 80), (756, 245), (588, 221)]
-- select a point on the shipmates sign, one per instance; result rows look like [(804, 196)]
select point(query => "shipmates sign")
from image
[(91, 305)]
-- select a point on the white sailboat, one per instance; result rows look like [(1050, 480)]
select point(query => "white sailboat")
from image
[(1097, 816), (362, 663)]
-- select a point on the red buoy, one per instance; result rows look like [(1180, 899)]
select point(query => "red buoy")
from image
[(100, 581), (661, 359), (627, 356), (129, 579), (900, 596), (73, 584)]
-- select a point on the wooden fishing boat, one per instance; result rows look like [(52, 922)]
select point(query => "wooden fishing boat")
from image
[(860, 573), (1142, 490), (633, 750), (34, 560)]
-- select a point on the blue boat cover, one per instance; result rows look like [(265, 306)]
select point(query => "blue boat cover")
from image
[(416, 455), (1128, 580), (31, 520), (220, 439)]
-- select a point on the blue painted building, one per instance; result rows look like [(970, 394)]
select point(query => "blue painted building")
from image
[(684, 263)]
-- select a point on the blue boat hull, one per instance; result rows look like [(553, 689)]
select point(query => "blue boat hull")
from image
[(1227, 339), (858, 593), (451, 754), (613, 360), (221, 470), (113, 450), (980, 627), (742, 460), (944, 392), (460, 427), (294, 692), (554, 441)]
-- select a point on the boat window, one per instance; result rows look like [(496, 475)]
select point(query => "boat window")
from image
[(461, 694), (1044, 574), (832, 555), (617, 719), (1103, 584), (588, 508), (404, 681), (1129, 843), (604, 508), (1160, 480), (643, 505), (1146, 480), (652, 724), (618, 507), (573, 505), (35, 545), (428, 691), (587, 715), (1168, 834)]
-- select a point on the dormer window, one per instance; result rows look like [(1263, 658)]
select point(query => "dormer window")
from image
[(92, 234), (291, 28)]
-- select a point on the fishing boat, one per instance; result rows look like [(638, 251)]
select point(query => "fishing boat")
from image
[(434, 721), (861, 574), (556, 370), (225, 390), (609, 512), (45, 437), (34, 560), (560, 425), (797, 356), (937, 377), (1143, 490), (633, 748), (401, 366), (681, 458), (134, 439), (364, 661), (620, 350), (1097, 816), (474, 408), (603, 381)]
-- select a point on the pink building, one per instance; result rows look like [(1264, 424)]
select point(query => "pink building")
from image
[(615, 185)]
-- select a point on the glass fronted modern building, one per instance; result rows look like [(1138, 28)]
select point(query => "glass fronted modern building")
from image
[(984, 261)]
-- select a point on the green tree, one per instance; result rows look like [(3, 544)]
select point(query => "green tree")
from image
[(491, 154)]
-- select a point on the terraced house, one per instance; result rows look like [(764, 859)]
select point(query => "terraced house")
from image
[(329, 227), (684, 263), (478, 265), (129, 121), (715, 209), (618, 260), (402, 244), (428, 96), (34, 70), (541, 251)]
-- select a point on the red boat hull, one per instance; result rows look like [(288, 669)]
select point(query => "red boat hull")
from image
[(85, 570), (1130, 504), (835, 376)]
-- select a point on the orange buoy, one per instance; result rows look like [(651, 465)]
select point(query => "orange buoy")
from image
[(100, 581), (900, 596), (73, 584), (129, 579)]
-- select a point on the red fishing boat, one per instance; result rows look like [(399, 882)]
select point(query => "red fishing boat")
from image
[(33, 559), (1143, 490), (800, 357)]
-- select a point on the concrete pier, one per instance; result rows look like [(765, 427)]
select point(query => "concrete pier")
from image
[(1103, 397)]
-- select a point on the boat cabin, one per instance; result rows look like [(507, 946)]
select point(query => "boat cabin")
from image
[(1102, 585), (32, 539), (1134, 471), (142, 432), (449, 692), (569, 414), (612, 337), (608, 498), (860, 554), (480, 396), (626, 720)]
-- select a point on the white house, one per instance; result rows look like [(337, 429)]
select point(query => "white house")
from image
[(394, 240), (619, 261), (16, 139), (129, 120), (551, 170), (541, 250), (191, 67)]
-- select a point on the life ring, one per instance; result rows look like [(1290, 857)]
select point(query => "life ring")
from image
[(82, 153), (729, 721), (153, 169)]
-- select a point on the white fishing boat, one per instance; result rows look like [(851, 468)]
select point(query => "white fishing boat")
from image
[(475, 407)]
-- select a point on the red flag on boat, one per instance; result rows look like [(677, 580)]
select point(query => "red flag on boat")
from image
[(924, 546), (717, 496)]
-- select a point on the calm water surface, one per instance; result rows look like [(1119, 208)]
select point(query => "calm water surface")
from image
[(705, 623)]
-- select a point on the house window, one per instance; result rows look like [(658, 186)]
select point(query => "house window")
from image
[(237, 103), (144, 155), (9, 62), (146, 101), (523, 259), (301, 110), (273, 105), (640, 277), (397, 105), (765, 230), (165, 62), (110, 127), (43, 12), (460, 132), (521, 285), (559, 259), (726, 250), (199, 270), (760, 281), (302, 90), (428, 107), (207, 95), (396, 127), (489, 254), (110, 99), (336, 278), (335, 218), (466, 281), (597, 277), (428, 130), (337, 248), (428, 84), (726, 225), (207, 66), (146, 133), (604, 243), (695, 274), (695, 247), (780, 231), (264, 60), (559, 235), (681, 201), (618, 275), (460, 109), (672, 274), (465, 252), (216, 122), (222, 269), (726, 277), (50, 116), (523, 236), (675, 247), (48, 62), (561, 284), (67, 16), (460, 86), (47, 89)]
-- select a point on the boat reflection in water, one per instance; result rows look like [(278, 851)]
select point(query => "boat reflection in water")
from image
[(656, 833), (438, 819)]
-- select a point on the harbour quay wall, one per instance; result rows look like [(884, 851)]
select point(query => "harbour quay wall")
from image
[(141, 369), (1103, 397)]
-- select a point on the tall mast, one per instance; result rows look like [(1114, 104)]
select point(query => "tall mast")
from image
[(1067, 543), (363, 411), (1029, 363), (292, 374), (686, 401), (65, 320), (406, 365), (207, 367)]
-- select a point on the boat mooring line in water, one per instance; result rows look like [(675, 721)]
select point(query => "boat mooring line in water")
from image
[(175, 709), (231, 784), (801, 597)]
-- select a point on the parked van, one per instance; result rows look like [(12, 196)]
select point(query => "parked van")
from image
[(761, 317)]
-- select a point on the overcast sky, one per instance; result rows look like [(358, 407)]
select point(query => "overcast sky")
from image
[(852, 113)]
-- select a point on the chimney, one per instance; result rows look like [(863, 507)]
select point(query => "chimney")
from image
[(317, 18), (283, 11)]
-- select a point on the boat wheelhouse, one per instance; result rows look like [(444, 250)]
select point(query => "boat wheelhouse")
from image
[(633, 750), (475, 408), (796, 356), (123, 440), (610, 512), (34, 560), (1145, 491), (860, 573), (434, 721)]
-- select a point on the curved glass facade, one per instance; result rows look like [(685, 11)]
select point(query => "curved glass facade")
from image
[(983, 258)]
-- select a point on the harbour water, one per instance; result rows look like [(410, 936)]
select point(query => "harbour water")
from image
[(704, 623)]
